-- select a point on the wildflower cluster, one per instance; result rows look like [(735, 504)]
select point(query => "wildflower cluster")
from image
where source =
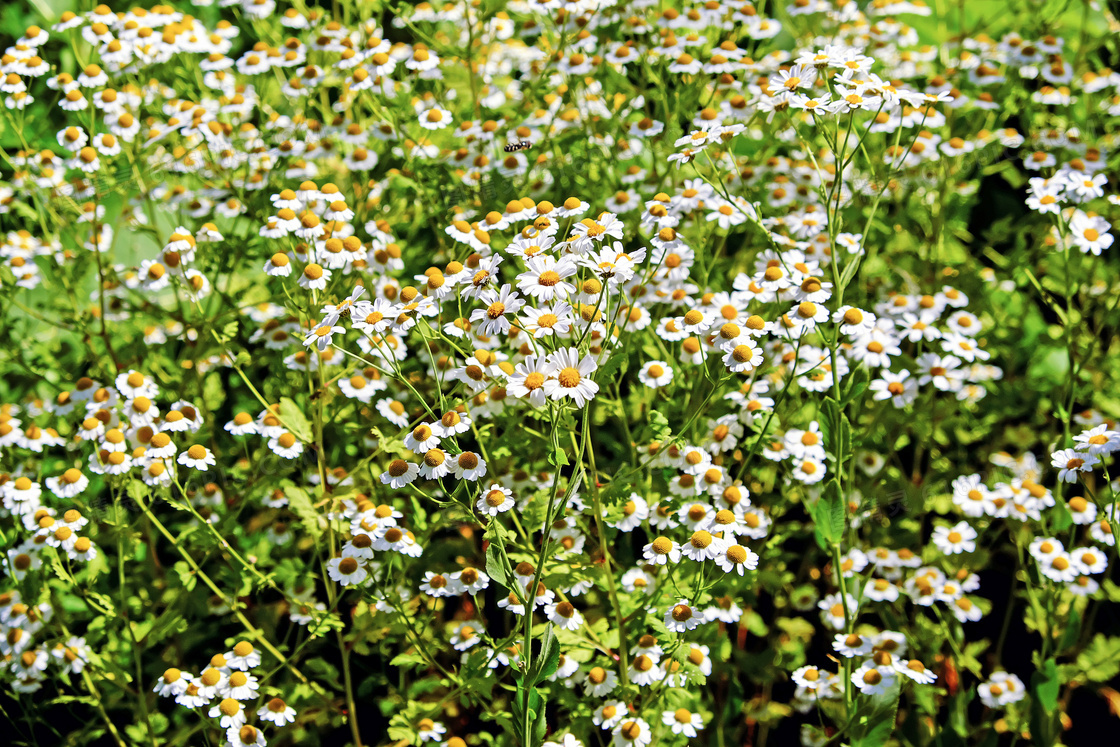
[(558, 373), (225, 686)]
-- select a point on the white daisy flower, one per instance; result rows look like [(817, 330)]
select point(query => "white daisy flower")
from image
[(738, 559), (569, 376), (683, 721), (468, 466), (197, 457), (399, 473), (681, 617), (231, 713), (564, 615), (662, 550), (872, 680), (497, 499), (656, 374), (347, 571), (243, 656), (277, 712), (631, 732), (960, 538)]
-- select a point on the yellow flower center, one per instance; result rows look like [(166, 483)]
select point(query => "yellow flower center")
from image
[(700, 539), (569, 377)]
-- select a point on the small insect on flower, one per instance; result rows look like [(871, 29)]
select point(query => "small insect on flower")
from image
[(519, 145)]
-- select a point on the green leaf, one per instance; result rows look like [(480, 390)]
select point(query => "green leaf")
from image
[(660, 425), (877, 734), (213, 391), (836, 428), (859, 380), (619, 488), (1063, 519), (228, 332), (874, 728), (1100, 660), (140, 629), (325, 671), (495, 569), (294, 420), (845, 435), (536, 708), (828, 515), (300, 504), (1043, 717), (1045, 684), (62, 699), (558, 458), (185, 574), (517, 705), (549, 659), (1072, 631), (169, 623), (969, 656), (407, 659), (137, 491), (390, 443), (612, 364), (59, 570), (829, 413), (400, 733), (138, 733)]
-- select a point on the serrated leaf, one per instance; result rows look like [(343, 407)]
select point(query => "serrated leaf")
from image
[(618, 487), (138, 733), (324, 670), (137, 491), (185, 575), (612, 364), (659, 424), (835, 427), (877, 733), (301, 505), (168, 624), (495, 568), (1044, 689), (1100, 660), (390, 444), (400, 734), (59, 570), (294, 420), (828, 515), (228, 332), (536, 709), (549, 660)]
